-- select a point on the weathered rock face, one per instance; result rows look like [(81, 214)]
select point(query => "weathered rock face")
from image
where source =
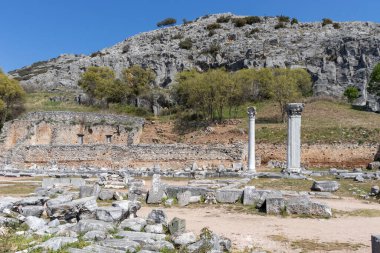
[(335, 58)]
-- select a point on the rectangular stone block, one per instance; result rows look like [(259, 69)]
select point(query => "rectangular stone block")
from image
[(375, 240), (172, 191), (275, 205), (228, 196)]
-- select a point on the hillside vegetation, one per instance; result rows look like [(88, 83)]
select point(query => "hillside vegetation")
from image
[(323, 121)]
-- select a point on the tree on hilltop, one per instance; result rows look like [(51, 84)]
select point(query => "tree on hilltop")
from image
[(167, 22)]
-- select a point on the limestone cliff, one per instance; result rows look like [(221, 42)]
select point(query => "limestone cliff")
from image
[(334, 57)]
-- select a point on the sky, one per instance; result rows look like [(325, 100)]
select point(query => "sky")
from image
[(35, 30)]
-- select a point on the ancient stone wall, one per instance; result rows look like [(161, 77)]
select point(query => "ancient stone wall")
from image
[(67, 128), (122, 156), (80, 139)]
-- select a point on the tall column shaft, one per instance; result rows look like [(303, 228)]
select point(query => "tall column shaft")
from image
[(294, 111), (251, 140)]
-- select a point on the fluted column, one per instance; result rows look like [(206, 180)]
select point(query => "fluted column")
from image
[(251, 139), (294, 111)]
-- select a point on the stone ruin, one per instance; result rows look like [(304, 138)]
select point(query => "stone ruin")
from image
[(67, 217), (71, 139)]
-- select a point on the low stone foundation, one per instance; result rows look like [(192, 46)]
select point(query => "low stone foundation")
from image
[(121, 156)]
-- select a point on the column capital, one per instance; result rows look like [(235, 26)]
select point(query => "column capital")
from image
[(294, 109), (251, 112)]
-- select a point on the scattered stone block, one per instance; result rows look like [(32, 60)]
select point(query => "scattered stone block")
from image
[(89, 191), (142, 237), (56, 243), (95, 249), (82, 208), (157, 216), (325, 186), (250, 195), (303, 205), (229, 195), (31, 211), (359, 178), (95, 235), (375, 190), (35, 223), (155, 228), (184, 239), (184, 198), (134, 224), (105, 195), (157, 246), (274, 205), (109, 214), (172, 191), (84, 226), (374, 165), (124, 244), (157, 192), (177, 226), (195, 199)]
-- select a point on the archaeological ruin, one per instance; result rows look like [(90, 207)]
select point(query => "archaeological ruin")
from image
[(90, 139)]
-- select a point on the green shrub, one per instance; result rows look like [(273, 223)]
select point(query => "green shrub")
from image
[(213, 49), (125, 49), (239, 22), (254, 30), (167, 22), (284, 19), (351, 93), (326, 21), (280, 25), (178, 36), (186, 44), (294, 21), (336, 25), (211, 33), (223, 19), (252, 19), (213, 26)]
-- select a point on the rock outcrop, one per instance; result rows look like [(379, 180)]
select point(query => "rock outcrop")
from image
[(335, 56)]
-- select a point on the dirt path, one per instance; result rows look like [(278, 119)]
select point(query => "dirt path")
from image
[(254, 231)]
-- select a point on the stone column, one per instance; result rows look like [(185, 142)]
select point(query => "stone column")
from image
[(251, 139), (294, 111)]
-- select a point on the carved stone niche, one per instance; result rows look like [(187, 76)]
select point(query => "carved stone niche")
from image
[(294, 109)]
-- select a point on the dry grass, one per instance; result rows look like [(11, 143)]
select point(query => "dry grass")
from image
[(357, 213), (308, 245), (18, 189), (322, 122), (348, 187)]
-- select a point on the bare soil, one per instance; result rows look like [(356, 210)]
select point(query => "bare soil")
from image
[(348, 234)]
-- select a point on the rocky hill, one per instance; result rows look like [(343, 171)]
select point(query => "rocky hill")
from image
[(335, 56)]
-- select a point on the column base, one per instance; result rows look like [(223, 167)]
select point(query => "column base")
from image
[(293, 170)]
